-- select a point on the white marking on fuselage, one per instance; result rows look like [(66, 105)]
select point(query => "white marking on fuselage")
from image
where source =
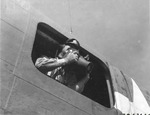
[(138, 106)]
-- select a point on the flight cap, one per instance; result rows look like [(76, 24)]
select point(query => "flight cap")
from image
[(73, 43)]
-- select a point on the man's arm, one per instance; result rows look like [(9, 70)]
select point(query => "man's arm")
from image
[(49, 64)]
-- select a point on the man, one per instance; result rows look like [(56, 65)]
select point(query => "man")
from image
[(56, 68)]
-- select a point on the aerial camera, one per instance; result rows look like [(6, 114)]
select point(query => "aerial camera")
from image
[(82, 63)]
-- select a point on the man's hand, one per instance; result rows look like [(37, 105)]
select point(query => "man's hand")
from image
[(71, 57)]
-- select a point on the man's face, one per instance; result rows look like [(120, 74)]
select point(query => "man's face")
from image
[(65, 50)]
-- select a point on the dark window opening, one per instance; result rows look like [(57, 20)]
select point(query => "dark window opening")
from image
[(47, 41)]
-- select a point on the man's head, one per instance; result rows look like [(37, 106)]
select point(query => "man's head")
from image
[(70, 44)]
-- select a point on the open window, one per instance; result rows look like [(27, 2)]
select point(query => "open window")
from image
[(98, 88)]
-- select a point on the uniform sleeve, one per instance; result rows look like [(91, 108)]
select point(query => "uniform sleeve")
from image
[(43, 61)]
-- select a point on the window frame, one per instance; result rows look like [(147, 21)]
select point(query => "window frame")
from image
[(108, 77)]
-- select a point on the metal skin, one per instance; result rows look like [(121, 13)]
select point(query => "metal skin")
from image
[(26, 91)]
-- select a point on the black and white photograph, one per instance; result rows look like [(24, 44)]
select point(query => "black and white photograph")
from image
[(75, 57)]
